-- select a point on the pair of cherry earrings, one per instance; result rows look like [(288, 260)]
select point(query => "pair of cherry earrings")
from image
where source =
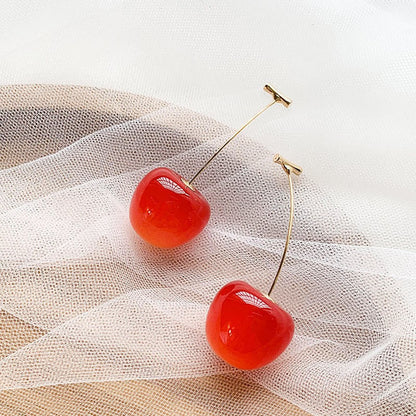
[(244, 326)]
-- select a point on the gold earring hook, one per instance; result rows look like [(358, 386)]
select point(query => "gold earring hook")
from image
[(277, 98), (288, 168)]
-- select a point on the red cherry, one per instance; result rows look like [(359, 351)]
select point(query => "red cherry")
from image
[(245, 328), (165, 211)]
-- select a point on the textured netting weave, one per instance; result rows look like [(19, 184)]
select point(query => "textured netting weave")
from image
[(95, 321)]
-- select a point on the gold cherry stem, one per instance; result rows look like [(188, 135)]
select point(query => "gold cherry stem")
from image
[(277, 98), (289, 168)]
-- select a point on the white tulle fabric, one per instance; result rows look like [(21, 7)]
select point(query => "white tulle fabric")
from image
[(114, 308), (110, 307)]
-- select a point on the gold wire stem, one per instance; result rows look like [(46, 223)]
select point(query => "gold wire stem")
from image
[(277, 98), (289, 168)]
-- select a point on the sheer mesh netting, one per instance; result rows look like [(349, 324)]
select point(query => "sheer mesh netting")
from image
[(91, 315)]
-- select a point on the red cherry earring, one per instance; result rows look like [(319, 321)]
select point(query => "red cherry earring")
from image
[(245, 327), (166, 210)]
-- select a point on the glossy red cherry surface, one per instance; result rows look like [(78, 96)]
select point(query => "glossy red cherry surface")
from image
[(165, 211), (245, 328)]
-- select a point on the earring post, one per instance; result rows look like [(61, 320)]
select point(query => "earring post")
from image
[(288, 168), (277, 98)]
